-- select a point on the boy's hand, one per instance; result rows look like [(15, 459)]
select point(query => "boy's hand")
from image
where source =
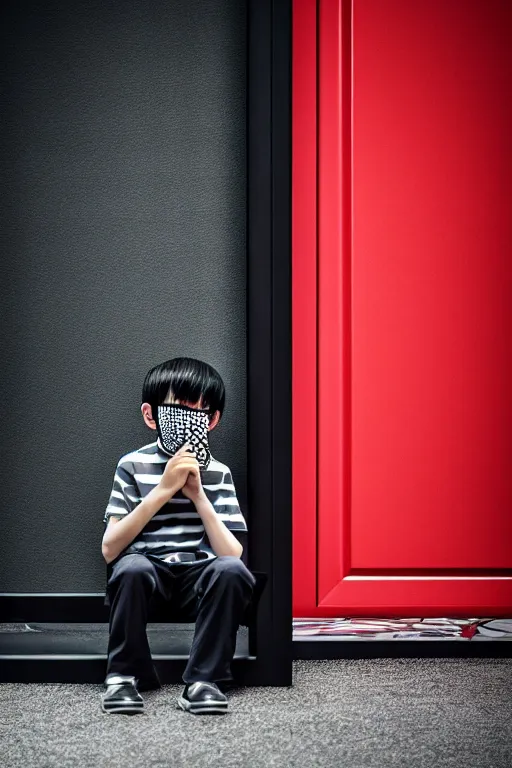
[(193, 488), (177, 470)]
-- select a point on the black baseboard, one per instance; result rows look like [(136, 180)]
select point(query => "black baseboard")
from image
[(392, 649)]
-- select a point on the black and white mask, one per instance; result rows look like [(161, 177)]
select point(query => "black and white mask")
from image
[(179, 424)]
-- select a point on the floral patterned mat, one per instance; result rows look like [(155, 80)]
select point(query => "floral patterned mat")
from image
[(405, 628)]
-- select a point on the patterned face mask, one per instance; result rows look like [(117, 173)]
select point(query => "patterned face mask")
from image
[(179, 424)]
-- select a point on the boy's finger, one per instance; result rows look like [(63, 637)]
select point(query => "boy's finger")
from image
[(189, 461), (185, 456), (192, 464), (183, 450)]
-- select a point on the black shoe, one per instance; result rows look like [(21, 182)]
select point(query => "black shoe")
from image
[(203, 697), (121, 695)]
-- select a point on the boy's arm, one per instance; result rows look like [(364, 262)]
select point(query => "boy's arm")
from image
[(117, 537), (224, 522), (130, 517), (220, 537)]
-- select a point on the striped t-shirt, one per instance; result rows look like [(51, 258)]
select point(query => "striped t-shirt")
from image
[(176, 527)]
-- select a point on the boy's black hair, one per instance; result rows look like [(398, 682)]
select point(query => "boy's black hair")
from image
[(187, 379)]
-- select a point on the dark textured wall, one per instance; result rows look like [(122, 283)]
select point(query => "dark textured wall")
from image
[(123, 225)]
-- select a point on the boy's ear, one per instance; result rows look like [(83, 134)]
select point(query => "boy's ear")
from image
[(147, 415), (213, 421)]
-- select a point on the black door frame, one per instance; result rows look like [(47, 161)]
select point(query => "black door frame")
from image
[(269, 364)]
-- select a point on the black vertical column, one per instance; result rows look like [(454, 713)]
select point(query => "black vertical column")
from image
[(269, 328)]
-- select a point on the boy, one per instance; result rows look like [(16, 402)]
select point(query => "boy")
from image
[(175, 531)]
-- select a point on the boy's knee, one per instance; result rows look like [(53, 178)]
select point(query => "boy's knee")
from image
[(234, 565), (133, 566), (228, 563)]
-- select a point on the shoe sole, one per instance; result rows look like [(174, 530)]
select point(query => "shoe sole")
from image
[(125, 708), (203, 707)]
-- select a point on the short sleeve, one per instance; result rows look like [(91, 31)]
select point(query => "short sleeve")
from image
[(124, 496), (226, 505)]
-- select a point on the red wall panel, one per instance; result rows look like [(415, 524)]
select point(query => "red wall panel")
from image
[(402, 237)]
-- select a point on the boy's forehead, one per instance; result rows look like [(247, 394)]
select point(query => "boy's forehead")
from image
[(170, 399)]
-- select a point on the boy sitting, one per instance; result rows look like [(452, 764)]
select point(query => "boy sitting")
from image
[(174, 527)]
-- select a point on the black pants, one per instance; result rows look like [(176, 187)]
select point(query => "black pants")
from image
[(213, 593)]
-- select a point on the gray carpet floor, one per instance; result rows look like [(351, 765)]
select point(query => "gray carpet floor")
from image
[(355, 713)]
